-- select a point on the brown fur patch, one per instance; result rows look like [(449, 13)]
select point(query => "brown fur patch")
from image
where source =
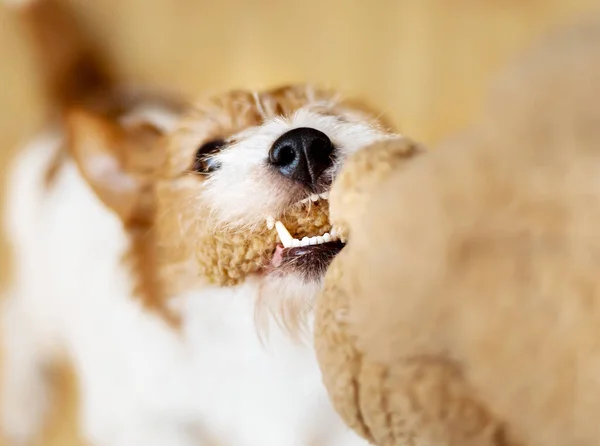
[(71, 66)]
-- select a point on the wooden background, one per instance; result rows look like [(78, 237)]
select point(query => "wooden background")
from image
[(425, 62)]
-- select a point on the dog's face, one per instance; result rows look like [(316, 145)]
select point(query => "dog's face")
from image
[(247, 181)]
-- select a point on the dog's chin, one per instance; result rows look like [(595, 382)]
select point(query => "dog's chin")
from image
[(308, 262)]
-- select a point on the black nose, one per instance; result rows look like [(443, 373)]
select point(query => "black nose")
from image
[(302, 154)]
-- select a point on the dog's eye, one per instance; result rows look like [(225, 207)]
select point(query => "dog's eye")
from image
[(205, 162)]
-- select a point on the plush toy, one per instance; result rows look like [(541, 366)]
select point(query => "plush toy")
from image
[(465, 308)]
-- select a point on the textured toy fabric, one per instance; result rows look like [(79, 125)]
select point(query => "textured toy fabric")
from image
[(465, 307), (227, 257)]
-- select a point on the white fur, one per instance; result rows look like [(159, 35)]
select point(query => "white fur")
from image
[(244, 190), (141, 382)]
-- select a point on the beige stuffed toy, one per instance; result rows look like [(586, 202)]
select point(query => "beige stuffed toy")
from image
[(465, 308)]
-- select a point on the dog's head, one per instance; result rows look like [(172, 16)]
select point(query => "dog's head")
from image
[(247, 182), (240, 192)]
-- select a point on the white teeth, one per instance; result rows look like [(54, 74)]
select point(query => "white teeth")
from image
[(284, 235), (270, 222), (314, 198), (333, 233), (324, 195), (290, 242)]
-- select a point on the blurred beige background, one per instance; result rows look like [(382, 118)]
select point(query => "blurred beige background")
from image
[(424, 62)]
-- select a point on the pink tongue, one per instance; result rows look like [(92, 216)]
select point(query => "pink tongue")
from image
[(277, 256)]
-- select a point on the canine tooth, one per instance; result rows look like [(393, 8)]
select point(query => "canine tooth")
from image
[(324, 195), (314, 197), (305, 241), (341, 234), (295, 243), (270, 222), (333, 234), (284, 234), (313, 240), (326, 237)]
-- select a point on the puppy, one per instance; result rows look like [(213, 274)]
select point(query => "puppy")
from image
[(172, 254)]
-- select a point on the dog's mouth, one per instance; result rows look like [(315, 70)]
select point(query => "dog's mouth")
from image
[(306, 254)]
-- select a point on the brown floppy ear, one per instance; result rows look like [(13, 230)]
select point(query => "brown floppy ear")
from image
[(116, 161)]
